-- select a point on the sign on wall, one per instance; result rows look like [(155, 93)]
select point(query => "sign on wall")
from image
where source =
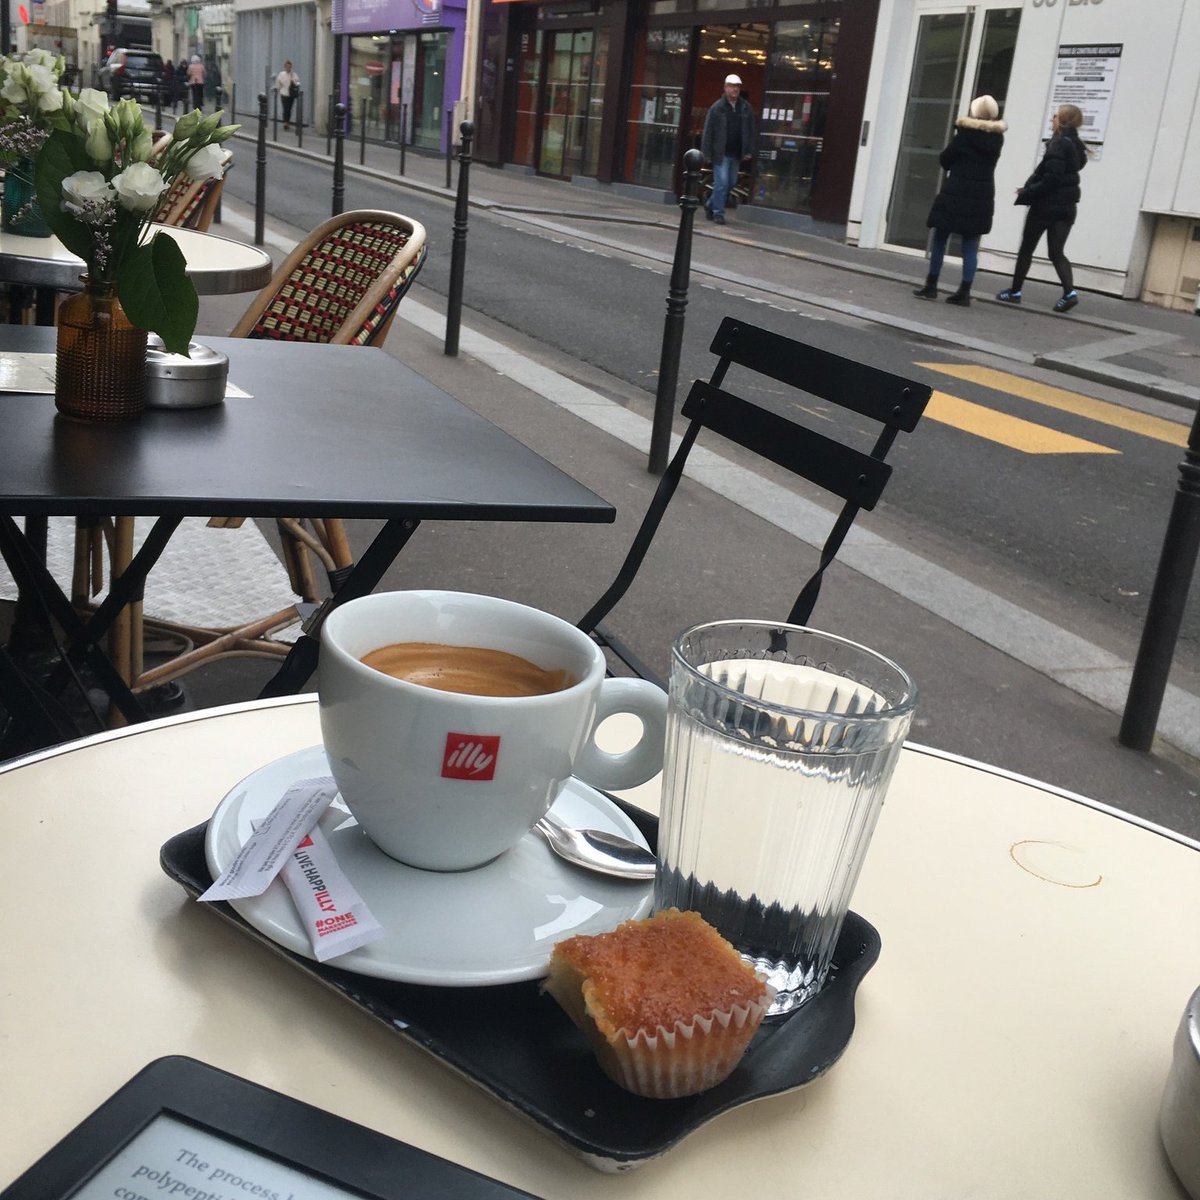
[(1086, 76)]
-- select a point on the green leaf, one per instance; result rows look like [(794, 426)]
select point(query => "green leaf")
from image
[(157, 294), (61, 156)]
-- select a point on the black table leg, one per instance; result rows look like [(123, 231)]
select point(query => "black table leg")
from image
[(26, 628), (301, 661), (44, 303), (33, 722), (83, 639)]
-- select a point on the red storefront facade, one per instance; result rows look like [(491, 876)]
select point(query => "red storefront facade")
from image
[(617, 91)]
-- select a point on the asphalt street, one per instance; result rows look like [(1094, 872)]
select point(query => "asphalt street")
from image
[(1012, 479)]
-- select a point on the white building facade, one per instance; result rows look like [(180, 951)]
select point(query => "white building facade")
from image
[(1133, 66)]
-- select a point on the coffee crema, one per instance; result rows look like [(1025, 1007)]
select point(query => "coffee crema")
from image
[(470, 670)]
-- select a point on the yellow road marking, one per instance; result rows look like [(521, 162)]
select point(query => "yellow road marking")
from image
[(1081, 406), (1008, 431)]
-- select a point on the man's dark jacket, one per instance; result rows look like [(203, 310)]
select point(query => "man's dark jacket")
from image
[(712, 144)]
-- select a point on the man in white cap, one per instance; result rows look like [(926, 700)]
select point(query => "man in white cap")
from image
[(728, 142)]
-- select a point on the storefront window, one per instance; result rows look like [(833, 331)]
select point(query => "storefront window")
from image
[(529, 67), (656, 105), (792, 116)]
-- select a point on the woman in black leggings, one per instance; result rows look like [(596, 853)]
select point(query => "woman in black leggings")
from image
[(1052, 193)]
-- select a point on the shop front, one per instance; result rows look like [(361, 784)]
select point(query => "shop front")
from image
[(400, 67), (619, 91), (1121, 63)]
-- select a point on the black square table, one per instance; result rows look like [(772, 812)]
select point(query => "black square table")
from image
[(328, 431)]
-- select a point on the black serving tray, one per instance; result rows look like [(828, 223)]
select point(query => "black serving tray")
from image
[(523, 1049)]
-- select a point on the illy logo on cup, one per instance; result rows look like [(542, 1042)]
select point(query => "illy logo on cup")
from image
[(470, 756)]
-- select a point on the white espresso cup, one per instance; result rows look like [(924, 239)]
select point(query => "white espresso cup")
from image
[(446, 780)]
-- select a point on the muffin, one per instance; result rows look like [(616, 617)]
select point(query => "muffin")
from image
[(668, 1005)]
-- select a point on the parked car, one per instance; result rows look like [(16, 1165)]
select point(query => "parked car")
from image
[(133, 72)]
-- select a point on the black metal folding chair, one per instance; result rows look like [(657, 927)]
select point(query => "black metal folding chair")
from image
[(857, 478)]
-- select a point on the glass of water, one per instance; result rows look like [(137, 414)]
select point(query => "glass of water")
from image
[(781, 742)]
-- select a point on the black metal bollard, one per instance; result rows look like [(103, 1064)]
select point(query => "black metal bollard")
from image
[(449, 149), (260, 172), (232, 104), (458, 242), (158, 109), (274, 114), (329, 127), (299, 110), (339, 157), (362, 133), (668, 363), (1176, 567), (403, 134)]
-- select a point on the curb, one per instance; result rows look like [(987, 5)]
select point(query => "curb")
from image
[(1062, 362)]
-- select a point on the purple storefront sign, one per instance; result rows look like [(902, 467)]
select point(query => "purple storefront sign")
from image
[(380, 16)]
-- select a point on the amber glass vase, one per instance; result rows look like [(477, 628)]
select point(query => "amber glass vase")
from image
[(101, 373)]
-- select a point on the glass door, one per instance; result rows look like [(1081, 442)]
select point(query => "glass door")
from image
[(934, 88), (956, 58), (428, 114), (573, 102)]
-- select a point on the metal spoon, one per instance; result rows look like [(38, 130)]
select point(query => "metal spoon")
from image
[(607, 853)]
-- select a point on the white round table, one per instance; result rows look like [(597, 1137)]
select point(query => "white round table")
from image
[(216, 265), (1012, 1040)]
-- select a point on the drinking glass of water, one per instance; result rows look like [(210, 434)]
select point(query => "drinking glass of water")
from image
[(781, 742)]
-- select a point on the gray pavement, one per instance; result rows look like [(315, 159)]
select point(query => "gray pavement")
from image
[(724, 550), (1128, 344)]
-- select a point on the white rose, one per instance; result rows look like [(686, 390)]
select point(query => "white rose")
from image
[(13, 91), (82, 187), (41, 78), (89, 105), (139, 187), (39, 57), (50, 101), (207, 163)]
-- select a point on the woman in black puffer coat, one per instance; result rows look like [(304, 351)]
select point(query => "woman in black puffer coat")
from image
[(1052, 193), (968, 197)]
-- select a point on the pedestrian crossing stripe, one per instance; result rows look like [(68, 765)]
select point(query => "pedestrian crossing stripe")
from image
[(1014, 432), (1171, 432)]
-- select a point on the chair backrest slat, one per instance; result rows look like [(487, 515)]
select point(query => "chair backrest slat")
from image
[(841, 470), (880, 395)]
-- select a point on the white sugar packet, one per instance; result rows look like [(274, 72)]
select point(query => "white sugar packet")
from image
[(333, 914), (274, 839)]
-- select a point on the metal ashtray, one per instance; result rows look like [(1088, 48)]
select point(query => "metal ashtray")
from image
[(179, 381), (1179, 1118)]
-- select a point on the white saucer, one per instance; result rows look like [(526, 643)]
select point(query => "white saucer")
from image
[(496, 924)]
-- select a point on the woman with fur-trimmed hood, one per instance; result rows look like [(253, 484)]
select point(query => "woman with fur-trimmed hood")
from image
[(968, 197)]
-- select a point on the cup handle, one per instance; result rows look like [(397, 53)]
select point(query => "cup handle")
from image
[(615, 772)]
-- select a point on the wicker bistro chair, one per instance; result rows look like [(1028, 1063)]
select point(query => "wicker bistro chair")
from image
[(854, 476), (190, 205)]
